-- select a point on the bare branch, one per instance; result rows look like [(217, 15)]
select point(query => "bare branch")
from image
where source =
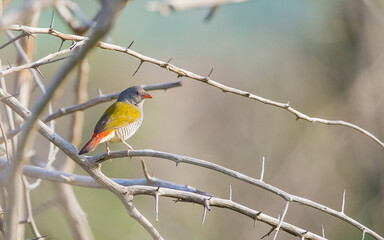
[(281, 219), (343, 203), (262, 169), (256, 182), (140, 186), (184, 73), (5, 141), (30, 218), (42, 61), (104, 98), (165, 6)]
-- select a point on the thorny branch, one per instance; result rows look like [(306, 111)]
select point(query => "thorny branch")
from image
[(207, 80), (253, 181), (157, 187)]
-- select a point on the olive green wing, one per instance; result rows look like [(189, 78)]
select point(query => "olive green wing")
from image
[(118, 115)]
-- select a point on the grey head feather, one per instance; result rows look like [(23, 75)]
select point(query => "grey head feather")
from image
[(132, 95)]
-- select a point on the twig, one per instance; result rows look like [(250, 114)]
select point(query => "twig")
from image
[(343, 203), (21, 35), (281, 219), (42, 61), (262, 169), (5, 141), (104, 98), (30, 218)]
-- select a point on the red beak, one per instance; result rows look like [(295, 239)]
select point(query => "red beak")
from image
[(146, 95)]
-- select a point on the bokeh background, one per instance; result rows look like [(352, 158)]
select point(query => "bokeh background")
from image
[(325, 57)]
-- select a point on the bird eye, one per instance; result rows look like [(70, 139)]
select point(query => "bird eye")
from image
[(137, 92)]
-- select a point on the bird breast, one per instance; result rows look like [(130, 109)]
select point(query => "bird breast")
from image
[(123, 133)]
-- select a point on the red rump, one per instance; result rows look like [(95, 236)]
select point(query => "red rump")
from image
[(95, 140)]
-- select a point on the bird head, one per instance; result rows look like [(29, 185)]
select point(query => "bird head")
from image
[(133, 95)]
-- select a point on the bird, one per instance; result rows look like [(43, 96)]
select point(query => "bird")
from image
[(120, 121)]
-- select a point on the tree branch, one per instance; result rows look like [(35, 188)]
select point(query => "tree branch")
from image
[(207, 80), (104, 98), (253, 181), (157, 187)]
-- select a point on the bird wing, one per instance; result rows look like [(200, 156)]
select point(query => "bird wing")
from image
[(118, 115)]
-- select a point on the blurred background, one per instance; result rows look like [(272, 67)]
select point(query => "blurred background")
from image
[(323, 57)]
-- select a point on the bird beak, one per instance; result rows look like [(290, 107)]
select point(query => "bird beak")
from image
[(146, 95)]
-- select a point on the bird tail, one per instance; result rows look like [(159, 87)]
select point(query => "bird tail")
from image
[(91, 144), (95, 140)]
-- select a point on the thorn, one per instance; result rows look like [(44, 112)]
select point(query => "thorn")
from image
[(179, 75), (61, 44), (145, 170), (211, 13), (287, 105), (73, 45), (157, 204), (177, 164), (38, 70), (268, 233), (209, 74), (169, 60), (363, 234), (322, 231), (206, 203), (262, 169), (52, 20), (343, 204), (130, 45), (230, 192), (141, 62), (99, 92), (204, 215)]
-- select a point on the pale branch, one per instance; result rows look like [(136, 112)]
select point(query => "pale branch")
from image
[(52, 149), (182, 196), (42, 61), (184, 73), (12, 133), (103, 98), (30, 219), (281, 219), (253, 181), (161, 188), (8, 111), (6, 148), (13, 39), (166, 6), (88, 182)]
